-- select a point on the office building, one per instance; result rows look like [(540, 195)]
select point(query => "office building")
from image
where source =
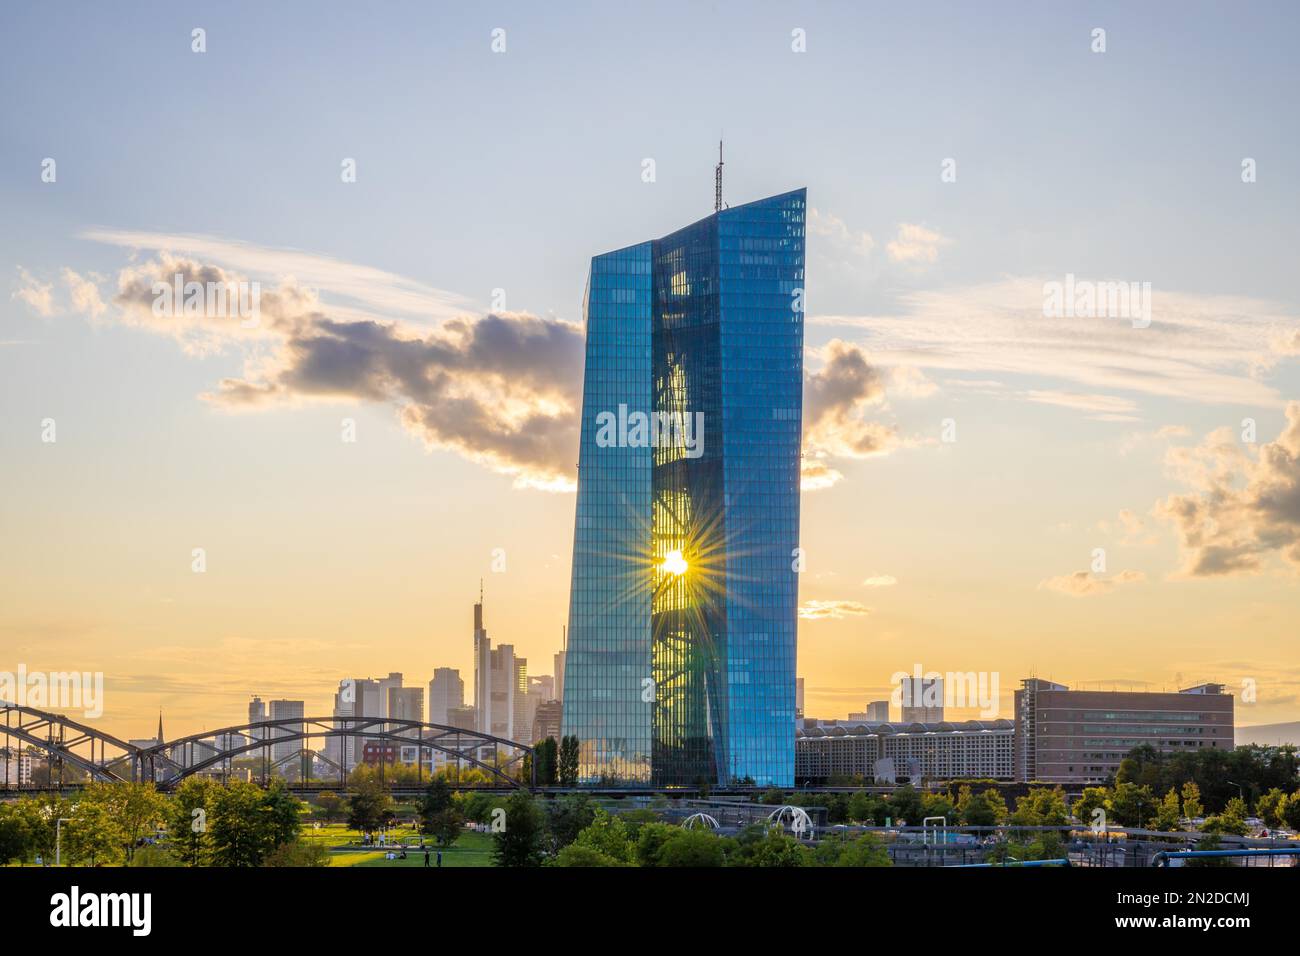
[(446, 693), (406, 703), (964, 750), (15, 767), (482, 669), (1080, 736), (256, 713), (280, 753), (681, 634), (922, 700), (878, 712), (356, 697), (559, 674), (548, 720)]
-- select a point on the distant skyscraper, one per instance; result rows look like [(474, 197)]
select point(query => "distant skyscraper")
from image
[(287, 710), (386, 684), (682, 624), (482, 669), (256, 712), (798, 698), (466, 718), (356, 697), (547, 720), (878, 712), (446, 693), (406, 703), (922, 700), (559, 674)]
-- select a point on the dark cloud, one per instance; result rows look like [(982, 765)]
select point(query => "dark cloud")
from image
[(1242, 508)]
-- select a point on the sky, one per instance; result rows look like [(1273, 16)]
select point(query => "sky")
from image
[(1099, 500)]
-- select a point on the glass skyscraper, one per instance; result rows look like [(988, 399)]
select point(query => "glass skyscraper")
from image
[(682, 613)]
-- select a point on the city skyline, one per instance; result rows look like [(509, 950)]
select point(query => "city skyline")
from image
[(435, 304)]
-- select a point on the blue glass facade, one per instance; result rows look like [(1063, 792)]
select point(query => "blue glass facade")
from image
[(682, 619)]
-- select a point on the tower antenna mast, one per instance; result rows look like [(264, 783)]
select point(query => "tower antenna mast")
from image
[(717, 182)]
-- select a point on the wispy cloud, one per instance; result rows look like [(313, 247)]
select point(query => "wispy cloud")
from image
[(1085, 584), (353, 290), (832, 610), (1203, 349)]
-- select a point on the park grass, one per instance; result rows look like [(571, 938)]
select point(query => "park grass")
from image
[(345, 848)]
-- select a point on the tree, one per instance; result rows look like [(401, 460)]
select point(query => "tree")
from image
[(137, 809), (1168, 814), (775, 849), (186, 818), (1091, 800), (979, 811), (867, 808), (331, 806), (1131, 805), (369, 805), (1192, 800), (297, 853), (281, 815), (566, 817), (235, 828), (1231, 820), (15, 838), (40, 816), (1290, 811), (863, 850), (1269, 807), (608, 835), (545, 757), (905, 806), (519, 843), (688, 848), (578, 855), (568, 761), (92, 835), (439, 817)]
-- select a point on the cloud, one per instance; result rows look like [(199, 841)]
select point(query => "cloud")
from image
[(837, 398), (1131, 529), (84, 293), (502, 389), (1202, 349), (356, 291), (832, 610), (1243, 505), (880, 581), (1084, 584), (1102, 407), (846, 242), (915, 245), (37, 295)]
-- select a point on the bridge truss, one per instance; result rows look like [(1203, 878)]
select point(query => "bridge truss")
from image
[(278, 743)]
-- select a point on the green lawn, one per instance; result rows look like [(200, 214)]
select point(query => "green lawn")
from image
[(471, 849)]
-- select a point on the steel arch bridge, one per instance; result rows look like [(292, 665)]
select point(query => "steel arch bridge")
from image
[(279, 742)]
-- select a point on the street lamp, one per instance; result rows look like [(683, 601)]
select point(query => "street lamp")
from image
[(58, 838)]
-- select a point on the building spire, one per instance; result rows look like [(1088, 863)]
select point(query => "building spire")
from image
[(161, 738), (717, 182)]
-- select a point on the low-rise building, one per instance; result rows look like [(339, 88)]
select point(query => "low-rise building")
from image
[(1080, 736), (947, 750)]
